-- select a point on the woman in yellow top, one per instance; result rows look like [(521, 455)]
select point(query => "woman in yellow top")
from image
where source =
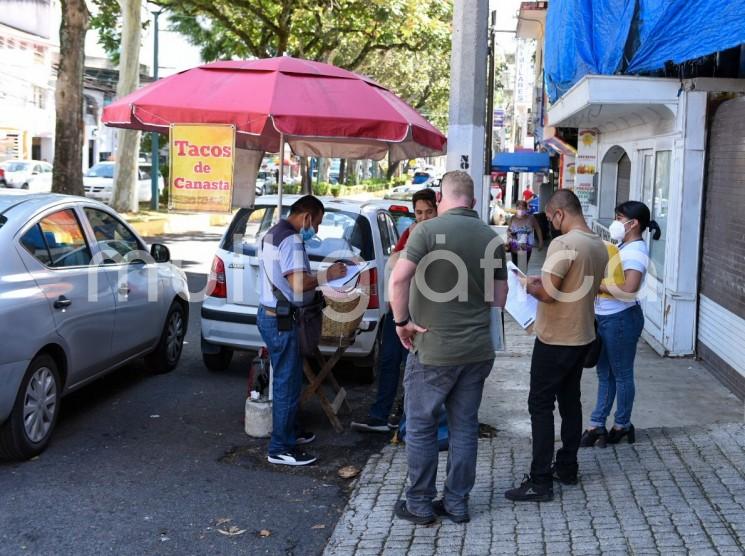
[(620, 324)]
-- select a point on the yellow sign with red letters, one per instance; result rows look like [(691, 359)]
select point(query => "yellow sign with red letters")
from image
[(202, 161)]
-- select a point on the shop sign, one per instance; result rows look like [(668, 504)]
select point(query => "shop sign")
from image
[(202, 162)]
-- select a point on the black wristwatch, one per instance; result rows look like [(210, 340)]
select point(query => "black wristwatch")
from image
[(404, 322)]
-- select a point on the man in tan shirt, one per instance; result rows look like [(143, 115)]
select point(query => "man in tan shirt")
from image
[(565, 328)]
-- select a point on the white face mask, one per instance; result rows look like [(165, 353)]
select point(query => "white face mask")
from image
[(617, 230)]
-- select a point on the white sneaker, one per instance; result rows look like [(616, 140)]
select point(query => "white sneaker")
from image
[(294, 457)]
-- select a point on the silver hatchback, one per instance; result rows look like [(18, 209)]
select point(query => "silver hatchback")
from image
[(80, 295)]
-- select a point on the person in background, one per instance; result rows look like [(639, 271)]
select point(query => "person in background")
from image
[(528, 193), (285, 268), (523, 233), (620, 323), (392, 353), (565, 329), (451, 340)]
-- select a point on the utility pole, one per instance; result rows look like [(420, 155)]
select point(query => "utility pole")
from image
[(468, 67), (154, 136), (490, 95)]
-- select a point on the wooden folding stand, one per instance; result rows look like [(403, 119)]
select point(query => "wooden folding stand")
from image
[(325, 377)]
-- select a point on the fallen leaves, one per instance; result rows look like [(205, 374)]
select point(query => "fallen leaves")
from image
[(348, 472), (264, 533), (231, 531), (319, 526)]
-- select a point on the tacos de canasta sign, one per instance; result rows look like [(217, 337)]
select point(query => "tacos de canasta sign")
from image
[(202, 158)]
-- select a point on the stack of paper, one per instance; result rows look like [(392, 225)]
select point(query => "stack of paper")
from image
[(521, 305)]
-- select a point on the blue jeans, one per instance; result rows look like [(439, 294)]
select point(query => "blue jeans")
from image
[(287, 381), (459, 387), (392, 354), (620, 333)]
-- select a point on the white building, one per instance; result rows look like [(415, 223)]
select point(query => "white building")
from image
[(27, 83)]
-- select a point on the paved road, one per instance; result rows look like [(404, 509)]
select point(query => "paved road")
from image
[(145, 464)]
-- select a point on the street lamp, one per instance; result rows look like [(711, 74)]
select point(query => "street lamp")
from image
[(154, 138)]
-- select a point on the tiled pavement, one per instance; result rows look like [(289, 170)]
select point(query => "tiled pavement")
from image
[(676, 491)]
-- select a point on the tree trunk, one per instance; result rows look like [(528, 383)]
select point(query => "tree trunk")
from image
[(342, 171), (69, 132), (128, 149), (306, 185), (365, 169), (375, 171), (392, 169), (353, 165), (324, 166)]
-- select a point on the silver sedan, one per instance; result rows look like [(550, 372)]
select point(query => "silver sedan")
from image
[(80, 295)]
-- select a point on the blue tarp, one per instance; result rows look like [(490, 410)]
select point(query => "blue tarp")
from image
[(521, 162), (589, 36), (584, 36), (687, 29)]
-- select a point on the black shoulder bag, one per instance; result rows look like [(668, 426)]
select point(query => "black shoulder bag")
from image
[(593, 353)]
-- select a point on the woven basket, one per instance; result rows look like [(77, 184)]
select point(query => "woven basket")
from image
[(334, 330)]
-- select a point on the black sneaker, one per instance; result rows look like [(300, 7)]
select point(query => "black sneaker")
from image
[(292, 457), (371, 425), (597, 437), (393, 421), (304, 437), (438, 506), (563, 476), (401, 512), (529, 491)]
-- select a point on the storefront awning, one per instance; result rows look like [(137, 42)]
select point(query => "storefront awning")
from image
[(521, 162), (611, 103)]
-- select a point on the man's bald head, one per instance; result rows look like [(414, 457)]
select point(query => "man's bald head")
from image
[(566, 200), (457, 185)]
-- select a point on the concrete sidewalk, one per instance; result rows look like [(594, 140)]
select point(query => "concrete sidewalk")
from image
[(679, 490)]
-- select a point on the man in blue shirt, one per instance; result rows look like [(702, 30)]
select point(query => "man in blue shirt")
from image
[(285, 272)]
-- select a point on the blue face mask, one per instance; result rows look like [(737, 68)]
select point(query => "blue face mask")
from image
[(307, 233)]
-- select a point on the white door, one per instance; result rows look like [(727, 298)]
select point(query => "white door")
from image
[(656, 195)]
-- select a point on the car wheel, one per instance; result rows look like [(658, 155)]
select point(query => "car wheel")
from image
[(218, 361), (166, 355), (24, 186), (29, 428)]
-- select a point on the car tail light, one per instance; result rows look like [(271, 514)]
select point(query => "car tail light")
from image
[(2, 173), (216, 284), (374, 302), (398, 208)]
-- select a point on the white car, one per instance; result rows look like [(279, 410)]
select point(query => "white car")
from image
[(32, 175), (354, 228), (80, 295), (98, 182)]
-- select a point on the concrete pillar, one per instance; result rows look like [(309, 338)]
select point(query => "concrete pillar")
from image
[(468, 69)]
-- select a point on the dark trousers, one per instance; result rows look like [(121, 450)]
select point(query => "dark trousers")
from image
[(521, 259), (555, 374)]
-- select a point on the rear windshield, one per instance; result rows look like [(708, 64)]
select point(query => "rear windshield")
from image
[(341, 234), (402, 220), (101, 171)]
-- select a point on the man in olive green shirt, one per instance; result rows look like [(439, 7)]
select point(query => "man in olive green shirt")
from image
[(442, 290)]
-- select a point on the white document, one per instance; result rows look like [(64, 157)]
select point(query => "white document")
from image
[(520, 304), (353, 272), (497, 329)]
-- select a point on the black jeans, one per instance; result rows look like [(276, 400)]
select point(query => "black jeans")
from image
[(555, 374)]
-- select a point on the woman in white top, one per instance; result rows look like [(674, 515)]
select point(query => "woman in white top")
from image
[(620, 322)]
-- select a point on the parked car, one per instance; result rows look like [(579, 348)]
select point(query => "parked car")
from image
[(32, 175), (265, 183), (98, 182), (349, 228), (79, 297)]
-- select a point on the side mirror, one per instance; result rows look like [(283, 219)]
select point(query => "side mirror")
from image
[(160, 253)]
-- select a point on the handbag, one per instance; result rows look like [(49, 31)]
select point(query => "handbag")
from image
[(593, 352)]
